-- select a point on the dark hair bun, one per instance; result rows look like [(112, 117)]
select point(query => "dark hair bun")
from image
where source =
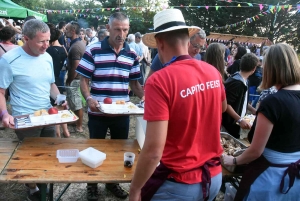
[(6, 33), (55, 33)]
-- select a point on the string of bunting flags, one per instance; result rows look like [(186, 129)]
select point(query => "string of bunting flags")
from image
[(247, 20), (271, 8)]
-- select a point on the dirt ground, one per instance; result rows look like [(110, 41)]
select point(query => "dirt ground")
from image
[(76, 191)]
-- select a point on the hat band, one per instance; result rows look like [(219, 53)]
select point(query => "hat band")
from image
[(168, 25)]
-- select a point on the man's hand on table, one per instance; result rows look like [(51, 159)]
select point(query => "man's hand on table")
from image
[(93, 105), (228, 160), (134, 195), (8, 121)]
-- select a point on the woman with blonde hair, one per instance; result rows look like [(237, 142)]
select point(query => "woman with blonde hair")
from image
[(215, 56), (83, 37), (274, 154)]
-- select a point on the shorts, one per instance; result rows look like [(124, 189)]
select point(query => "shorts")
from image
[(73, 96), (36, 132)]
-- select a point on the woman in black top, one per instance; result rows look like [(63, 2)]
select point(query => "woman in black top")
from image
[(274, 154), (235, 67), (59, 55)]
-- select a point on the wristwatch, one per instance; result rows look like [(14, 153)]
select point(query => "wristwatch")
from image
[(239, 121), (234, 161)]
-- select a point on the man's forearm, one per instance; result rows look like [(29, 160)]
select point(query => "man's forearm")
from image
[(137, 88), (232, 113), (2, 101), (71, 75), (145, 168), (54, 91), (251, 109), (84, 87)]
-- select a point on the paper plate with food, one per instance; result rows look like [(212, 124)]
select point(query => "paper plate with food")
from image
[(44, 117), (119, 107)]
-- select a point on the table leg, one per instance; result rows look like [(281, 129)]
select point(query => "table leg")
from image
[(43, 192), (62, 193), (51, 192)]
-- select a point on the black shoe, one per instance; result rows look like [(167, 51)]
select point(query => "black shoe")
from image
[(36, 196), (92, 192), (116, 190)]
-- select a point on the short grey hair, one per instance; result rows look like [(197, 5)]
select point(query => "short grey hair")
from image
[(31, 27), (131, 37), (88, 30), (201, 34), (117, 16)]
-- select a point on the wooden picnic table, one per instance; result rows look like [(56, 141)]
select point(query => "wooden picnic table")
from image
[(7, 147), (35, 161)]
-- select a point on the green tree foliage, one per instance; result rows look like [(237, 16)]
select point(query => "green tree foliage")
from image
[(277, 26)]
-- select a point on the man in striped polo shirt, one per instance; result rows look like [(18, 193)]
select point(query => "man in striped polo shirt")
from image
[(111, 66)]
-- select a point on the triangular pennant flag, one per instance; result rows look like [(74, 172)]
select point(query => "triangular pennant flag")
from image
[(217, 7), (87, 10), (198, 6), (113, 9), (239, 5), (74, 11), (206, 7), (282, 7), (290, 7), (253, 18), (70, 11), (76, 14), (117, 8), (78, 11), (257, 16), (260, 6), (108, 9), (172, 7), (250, 4), (102, 9), (190, 5), (279, 8), (298, 6), (229, 1)]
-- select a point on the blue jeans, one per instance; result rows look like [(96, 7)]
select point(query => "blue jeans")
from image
[(187, 192), (118, 126), (62, 76)]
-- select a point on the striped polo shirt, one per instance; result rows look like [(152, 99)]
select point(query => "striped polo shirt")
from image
[(108, 71)]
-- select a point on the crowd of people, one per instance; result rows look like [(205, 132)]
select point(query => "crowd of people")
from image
[(194, 90)]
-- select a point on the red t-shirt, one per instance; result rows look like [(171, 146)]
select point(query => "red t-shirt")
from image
[(189, 94)]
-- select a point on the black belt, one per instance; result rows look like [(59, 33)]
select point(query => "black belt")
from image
[(173, 180)]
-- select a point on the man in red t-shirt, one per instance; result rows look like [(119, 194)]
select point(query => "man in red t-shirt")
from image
[(183, 106)]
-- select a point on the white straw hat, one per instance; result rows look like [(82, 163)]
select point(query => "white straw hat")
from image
[(167, 20)]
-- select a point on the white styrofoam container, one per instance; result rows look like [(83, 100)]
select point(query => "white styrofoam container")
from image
[(140, 130), (67, 155), (230, 192), (92, 157)]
